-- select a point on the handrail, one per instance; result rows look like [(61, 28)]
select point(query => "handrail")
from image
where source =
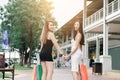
[(94, 17), (98, 15)]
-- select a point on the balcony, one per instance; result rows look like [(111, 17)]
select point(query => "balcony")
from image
[(112, 7), (93, 36), (94, 17)]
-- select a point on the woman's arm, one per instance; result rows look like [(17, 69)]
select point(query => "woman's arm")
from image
[(52, 37)]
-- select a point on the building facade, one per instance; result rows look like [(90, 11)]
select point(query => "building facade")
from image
[(100, 21)]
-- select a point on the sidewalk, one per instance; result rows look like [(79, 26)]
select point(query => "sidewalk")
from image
[(106, 76), (23, 75), (65, 74)]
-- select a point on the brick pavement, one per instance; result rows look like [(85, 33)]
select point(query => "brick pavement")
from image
[(65, 74)]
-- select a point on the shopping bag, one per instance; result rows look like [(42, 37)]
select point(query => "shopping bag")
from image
[(39, 67), (34, 76), (39, 72), (84, 74)]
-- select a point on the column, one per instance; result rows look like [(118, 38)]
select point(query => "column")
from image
[(63, 39), (105, 58), (105, 39), (66, 36), (97, 49), (84, 13), (85, 51), (85, 48), (84, 17), (105, 28), (107, 2), (72, 33)]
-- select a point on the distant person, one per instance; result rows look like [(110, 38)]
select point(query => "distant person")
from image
[(76, 51), (91, 62), (47, 41)]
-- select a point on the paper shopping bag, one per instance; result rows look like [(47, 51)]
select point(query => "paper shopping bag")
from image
[(39, 72), (83, 71), (34, 76)]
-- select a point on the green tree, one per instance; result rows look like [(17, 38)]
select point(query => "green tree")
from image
[(24, 19)]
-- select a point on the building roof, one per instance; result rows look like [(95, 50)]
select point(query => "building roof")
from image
[(91, 8)]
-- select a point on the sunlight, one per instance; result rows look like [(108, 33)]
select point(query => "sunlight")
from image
[(63, 10), (66, 9)]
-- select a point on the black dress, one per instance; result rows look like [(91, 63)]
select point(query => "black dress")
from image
[(46, 52)]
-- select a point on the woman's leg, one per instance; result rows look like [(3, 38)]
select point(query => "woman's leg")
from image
[(44, 68), (50, 70), (76, 75)]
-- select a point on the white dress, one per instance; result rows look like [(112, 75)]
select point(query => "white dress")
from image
[(75, 57)]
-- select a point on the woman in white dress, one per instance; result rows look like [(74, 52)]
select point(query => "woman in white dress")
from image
[(76, 51)]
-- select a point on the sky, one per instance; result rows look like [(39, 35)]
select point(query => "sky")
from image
[(64, 9), (3, 2)]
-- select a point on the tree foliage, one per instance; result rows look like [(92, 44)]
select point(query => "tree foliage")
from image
[(24, 19)]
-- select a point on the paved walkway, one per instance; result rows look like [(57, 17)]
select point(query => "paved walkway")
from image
[(65, 74)]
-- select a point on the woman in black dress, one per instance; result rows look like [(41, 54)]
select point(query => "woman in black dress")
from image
[(47, 41)]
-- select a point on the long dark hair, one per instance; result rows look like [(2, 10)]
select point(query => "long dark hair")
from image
[(81, 32)]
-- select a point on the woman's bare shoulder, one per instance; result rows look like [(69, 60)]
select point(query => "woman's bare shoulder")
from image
[(79, 35), (50, 33)]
